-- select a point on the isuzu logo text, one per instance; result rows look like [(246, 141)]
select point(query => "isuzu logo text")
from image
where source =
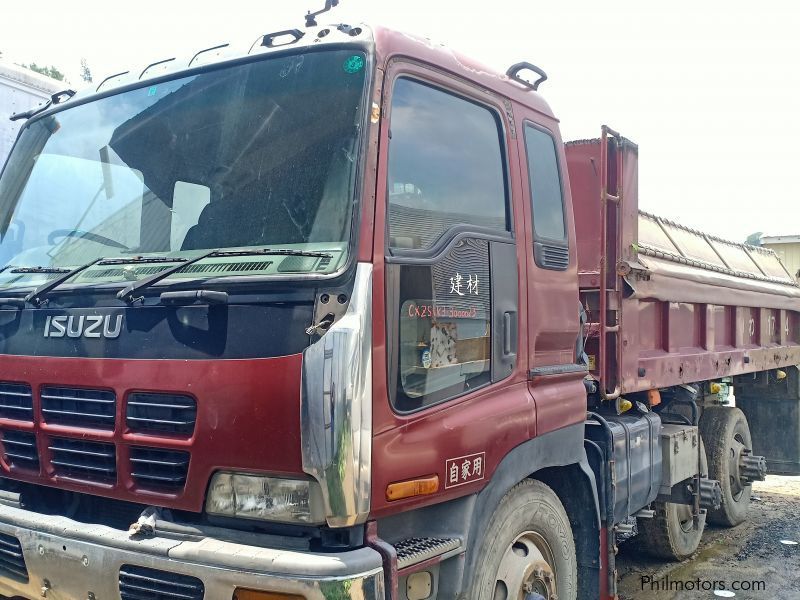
[(89, 326)]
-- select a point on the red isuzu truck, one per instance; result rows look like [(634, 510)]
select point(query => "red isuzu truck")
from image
[(342, 317)]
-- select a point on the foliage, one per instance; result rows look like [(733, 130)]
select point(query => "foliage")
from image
[(86, 72), (50, 71), (754, 239)]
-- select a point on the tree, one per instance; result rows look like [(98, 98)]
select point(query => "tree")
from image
[(86, 72), (754, 239), (50, 71)]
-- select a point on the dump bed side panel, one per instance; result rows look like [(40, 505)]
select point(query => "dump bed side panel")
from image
[(683, 306)]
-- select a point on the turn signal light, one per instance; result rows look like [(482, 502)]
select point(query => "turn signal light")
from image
[(242, 594), (715, 388), (413, 487), (780, 375), (653, 398)]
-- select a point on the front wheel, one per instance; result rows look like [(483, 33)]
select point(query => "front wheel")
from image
[(527, 549)]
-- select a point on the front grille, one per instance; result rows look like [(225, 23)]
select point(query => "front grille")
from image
[(141, 583), (88, 461), (16, 401), (79, 407), (19, 449), (12, 562), (151, 467), (161, 413)]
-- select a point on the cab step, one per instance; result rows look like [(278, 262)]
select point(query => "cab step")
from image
[(416, 550)]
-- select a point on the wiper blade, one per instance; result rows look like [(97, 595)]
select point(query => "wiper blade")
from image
[(128, 294), (56, 98), (40, 270), (137, 260), (38, 296), (276, 252)]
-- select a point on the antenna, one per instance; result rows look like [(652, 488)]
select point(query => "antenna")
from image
[(311, 19)]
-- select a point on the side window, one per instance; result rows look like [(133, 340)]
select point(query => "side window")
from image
[(444, 329), (446, 166), (549, 226)]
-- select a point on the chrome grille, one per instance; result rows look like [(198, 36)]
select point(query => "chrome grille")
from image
[(12, 562), (152, 467), (141, 583), (16, 401), (19, 449), (79, 407), (87, 461), (161, 413)]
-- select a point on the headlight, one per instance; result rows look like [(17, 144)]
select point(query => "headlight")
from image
[(265, 498)]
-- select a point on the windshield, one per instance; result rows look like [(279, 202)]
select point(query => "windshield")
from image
[(260, 155)]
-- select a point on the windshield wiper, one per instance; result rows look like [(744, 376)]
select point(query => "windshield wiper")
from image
[(131, 260), (38, 296), (128, 294), (40, 270)]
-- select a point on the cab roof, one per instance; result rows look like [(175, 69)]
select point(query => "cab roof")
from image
[(387, 44)]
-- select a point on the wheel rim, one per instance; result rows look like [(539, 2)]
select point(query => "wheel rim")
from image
[(734, 455), (527, 567), (685, 517)]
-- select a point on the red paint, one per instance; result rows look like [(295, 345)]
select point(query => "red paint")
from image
[(683, 322), (693, 333), (678, 327), (248, 418)]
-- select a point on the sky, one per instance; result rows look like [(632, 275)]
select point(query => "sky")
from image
[(709, 90)]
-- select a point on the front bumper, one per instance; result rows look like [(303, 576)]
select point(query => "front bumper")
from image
[(68, 560)]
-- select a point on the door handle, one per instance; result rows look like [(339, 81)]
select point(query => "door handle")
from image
[(509, 319)]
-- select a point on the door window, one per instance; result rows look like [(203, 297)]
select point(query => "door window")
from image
[(446, 169), (446, 166)]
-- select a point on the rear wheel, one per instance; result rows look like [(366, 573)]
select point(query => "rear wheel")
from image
[(527, 549), (671, 533), (726, 431)]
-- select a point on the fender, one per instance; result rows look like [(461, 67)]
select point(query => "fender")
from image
[(543, 458), (550, 458)]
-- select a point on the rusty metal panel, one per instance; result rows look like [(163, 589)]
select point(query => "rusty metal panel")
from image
[(695, 307)]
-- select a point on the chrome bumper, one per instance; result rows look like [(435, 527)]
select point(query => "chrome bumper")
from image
[(68, 560)]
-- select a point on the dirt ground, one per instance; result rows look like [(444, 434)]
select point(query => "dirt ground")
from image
[(750, 557)]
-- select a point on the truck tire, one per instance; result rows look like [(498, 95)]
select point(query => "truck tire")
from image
[(726, 431), (670, 535), (527, 548)]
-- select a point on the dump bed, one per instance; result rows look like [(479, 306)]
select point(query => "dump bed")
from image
[(668, 304)]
